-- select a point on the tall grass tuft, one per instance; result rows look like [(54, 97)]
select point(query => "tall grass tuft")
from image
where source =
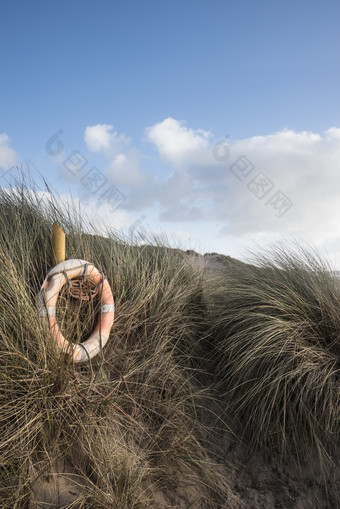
[(277, 351), (51, 415)]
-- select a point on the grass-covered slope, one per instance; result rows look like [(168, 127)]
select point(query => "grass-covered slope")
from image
[(276, 331), (50, 415), (224, 364)]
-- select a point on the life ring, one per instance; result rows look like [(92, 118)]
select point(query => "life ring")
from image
[(47, 301)]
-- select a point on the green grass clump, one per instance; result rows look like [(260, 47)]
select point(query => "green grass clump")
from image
[(276, 334)]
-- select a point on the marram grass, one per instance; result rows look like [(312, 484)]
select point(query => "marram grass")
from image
[(268, 334), (276, 333), (49, 414)]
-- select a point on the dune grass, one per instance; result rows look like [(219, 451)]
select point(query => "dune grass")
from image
[(267, 333), (50, 414), (276, 331)]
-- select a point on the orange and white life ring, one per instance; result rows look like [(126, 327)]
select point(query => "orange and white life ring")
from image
[(47, 301)]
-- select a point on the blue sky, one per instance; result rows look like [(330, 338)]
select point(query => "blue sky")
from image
[(164, 82)]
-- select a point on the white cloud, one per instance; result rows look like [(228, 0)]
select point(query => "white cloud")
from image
[(124, 161), (333, 132), (179, 144), (102, 138), (124, 169), (8, 156), (305, 166), (198, 189)]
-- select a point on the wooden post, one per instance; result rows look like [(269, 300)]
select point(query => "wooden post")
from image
[(58, 242)]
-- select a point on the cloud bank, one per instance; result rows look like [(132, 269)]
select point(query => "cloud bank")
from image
[(285, 183)]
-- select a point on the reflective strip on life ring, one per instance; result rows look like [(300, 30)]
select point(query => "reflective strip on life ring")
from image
[(47, 301)]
